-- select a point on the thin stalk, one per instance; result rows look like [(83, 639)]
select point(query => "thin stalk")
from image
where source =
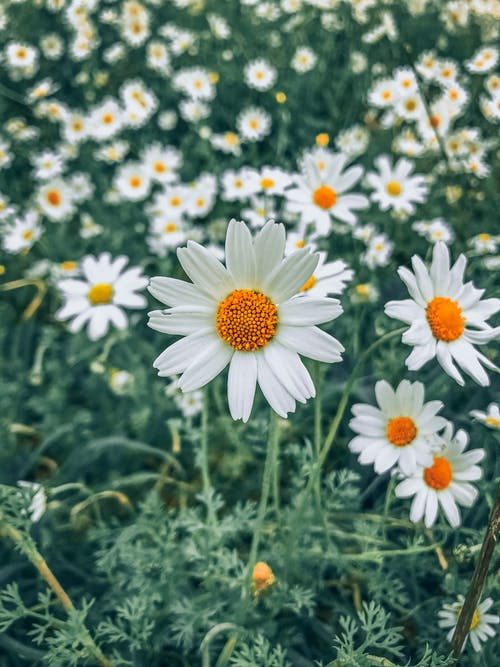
[(267, 475), (478, 578), (207, 639), (36, 558), (314, 476)]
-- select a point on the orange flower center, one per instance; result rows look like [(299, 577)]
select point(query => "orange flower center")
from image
[(100, 293), (262, 577), (54, 197), (21, 52), (435, 120), (445, 319), (394, 188), (107, 118), (246, 320), (308, 284), (439, 475), (266, 183), (325, 197), (175, 201), (170, 227), (159, 167), (401, 431), (68, 265), (135, 181), (322, 139)]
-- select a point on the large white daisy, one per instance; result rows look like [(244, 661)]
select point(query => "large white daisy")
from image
[(446, 482), (245, 314), (440, 312), (402, 430), (320, 194), (99, 298)]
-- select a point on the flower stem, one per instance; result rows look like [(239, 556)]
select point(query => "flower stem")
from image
[(32, 553), (267, 475), (314, 476), (478, 578)]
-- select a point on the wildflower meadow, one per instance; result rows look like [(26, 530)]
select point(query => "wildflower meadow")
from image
[(249, 325)]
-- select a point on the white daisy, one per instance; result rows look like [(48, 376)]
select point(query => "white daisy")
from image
[(320, 195), (105, 120), (245, 315), (489, 418), (440, 312), (481, 624), (483, 60), (394, 187), (253, 124), (445, 483), (241, 184), (100, 296), (402, 430), (161, 162), (274, 180), (20, 234), (304, 60), (260, 74), (132, 181), (55, 199), (328, 278)]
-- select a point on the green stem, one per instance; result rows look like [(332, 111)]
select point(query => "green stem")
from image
[(314, 476), (271, 461)]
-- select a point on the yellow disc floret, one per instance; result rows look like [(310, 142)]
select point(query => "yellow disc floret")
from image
[(445, 319), (394, 188), (325, 197), (100, 293), (246, 320), (401, 431), (439, 475), (310, 282)]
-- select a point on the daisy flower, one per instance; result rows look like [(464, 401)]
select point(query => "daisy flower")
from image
[(320, 195), (260, 74), (56, 200), (100, 296), (106, 120), (132, 181), (161, 162), (274, 180), (481, 624), (483, 60), (394, 187), (402, 430), (445, 483), (241, 184), (245, 314), (20, 234), (304, 60), (489, 418), (440, 312), (328, 278), (253, 124)]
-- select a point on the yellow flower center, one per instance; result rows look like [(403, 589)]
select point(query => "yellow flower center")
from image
[(246, 320), (280, 97), (107, 118), (300, 243), (325, 197), (394, 188), (175, 201), (135, 181), (170, 227), (401, 431), (254, 123), (309, 284), (362, 289), (159, 167), (439, 475), (27, 234), (492, 421), (68, 265), (231, 138), (445, 319), (100, 293), (54, 197), (410, 105), (484, 237), (21, 52), (200, 202), (322, 139), (476, 620), (267, 183), (262, 577)]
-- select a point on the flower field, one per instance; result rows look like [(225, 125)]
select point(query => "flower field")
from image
[(249, 324)]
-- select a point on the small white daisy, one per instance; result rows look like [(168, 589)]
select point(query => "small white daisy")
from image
[(320, 195), (132, 181), (246, 315), (481, 626), (328, 278), (445, 483), (55, 199), (253, 124), (394, 187), (99, 297), (20, 234), (260, 74), (483, 60), (440, 312), (304, 60), (403, 430), (490, 418)]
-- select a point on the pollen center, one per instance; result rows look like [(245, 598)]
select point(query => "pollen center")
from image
[(401, 431), (439, 475), (445, 318), (325, 197), (53, 197), (247, 320), (476, 620), (310, 282), (266, 183), (100, 293), (394, 188)]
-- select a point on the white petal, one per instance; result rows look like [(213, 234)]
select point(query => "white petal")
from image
[(466, 357), (99, 323), (420, 355), (386, 459), (80, 320), (73, 306), (290, 370), (129, 300), (440, 268), (182, 320), (422, 277), (74, 287), (269, 247), (289, 276), (411, 283), (212, 361), (177, 357), (406, 311), (431, 509), (241, 383), (173, 292), (385, 396), (205, 270), (274, 392), (131, 280), (311, 342), (418, 506), (307, 311), (444, 358), (240, 255), (449, 508)]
